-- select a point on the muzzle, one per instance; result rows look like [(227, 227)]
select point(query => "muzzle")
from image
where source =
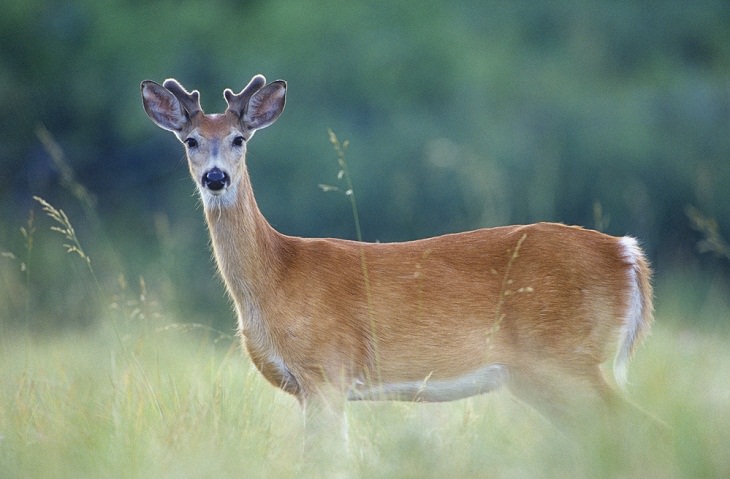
[(216, 180)]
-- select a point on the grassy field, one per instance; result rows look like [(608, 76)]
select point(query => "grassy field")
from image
[(140, 396), (139, 393)]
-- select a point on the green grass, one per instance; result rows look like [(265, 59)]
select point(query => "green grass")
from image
[(137, 393), (142, 397)]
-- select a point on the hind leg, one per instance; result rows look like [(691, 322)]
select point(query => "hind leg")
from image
[(568, 398), (581, 401)]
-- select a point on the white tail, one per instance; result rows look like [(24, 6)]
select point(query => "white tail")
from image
[(537, 308)]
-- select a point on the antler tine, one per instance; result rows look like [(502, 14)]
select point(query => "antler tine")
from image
[(237, 102), (189, 100)]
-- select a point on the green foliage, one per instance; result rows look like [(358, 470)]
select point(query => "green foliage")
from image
[(713, 241), (459, 115)]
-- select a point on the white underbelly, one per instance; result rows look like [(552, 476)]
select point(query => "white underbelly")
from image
[(479, 381)]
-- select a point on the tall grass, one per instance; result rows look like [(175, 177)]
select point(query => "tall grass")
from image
[(141, 394), (171, 402)]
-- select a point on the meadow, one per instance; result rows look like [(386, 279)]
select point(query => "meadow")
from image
[(118, 357), (141, 393)]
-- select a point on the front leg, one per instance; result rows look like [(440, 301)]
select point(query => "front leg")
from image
[(326, 436)]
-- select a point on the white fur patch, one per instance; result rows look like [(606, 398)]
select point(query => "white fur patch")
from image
[(216, 201), (480, 381), (634, 313)]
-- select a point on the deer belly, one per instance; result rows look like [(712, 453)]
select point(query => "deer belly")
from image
[(480, 381)]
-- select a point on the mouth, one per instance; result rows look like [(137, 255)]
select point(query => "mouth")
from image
[(216, 181)]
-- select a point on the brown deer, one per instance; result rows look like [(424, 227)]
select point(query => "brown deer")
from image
[(537, 308)]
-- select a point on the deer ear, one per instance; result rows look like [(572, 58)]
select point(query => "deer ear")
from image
[(162, 107), (265, 106), (237, 103)]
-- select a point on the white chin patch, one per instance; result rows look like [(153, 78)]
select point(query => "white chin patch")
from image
[(217, 198)]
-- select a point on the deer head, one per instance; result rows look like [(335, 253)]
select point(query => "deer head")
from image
[(215, 144)]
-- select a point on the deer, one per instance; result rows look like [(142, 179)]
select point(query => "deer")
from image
[(535, 308)]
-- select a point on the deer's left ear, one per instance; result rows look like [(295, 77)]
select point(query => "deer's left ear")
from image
[(162, 107), (237, 103), (265, 106)]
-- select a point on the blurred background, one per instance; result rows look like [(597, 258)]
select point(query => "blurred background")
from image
[(459, 115)]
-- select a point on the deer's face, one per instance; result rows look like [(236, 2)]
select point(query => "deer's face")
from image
[(215, 144), (216, 151)]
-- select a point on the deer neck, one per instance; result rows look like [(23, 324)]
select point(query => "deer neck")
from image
[(247, 251)]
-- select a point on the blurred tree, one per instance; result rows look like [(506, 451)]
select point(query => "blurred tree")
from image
[(459, 115)]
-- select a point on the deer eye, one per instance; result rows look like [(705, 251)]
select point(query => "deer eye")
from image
[(191, 142), (238, 141)]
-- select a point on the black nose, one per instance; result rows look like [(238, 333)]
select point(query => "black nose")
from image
[(216, 179)]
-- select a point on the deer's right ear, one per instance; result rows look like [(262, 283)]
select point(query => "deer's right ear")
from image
[(162, 107)]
